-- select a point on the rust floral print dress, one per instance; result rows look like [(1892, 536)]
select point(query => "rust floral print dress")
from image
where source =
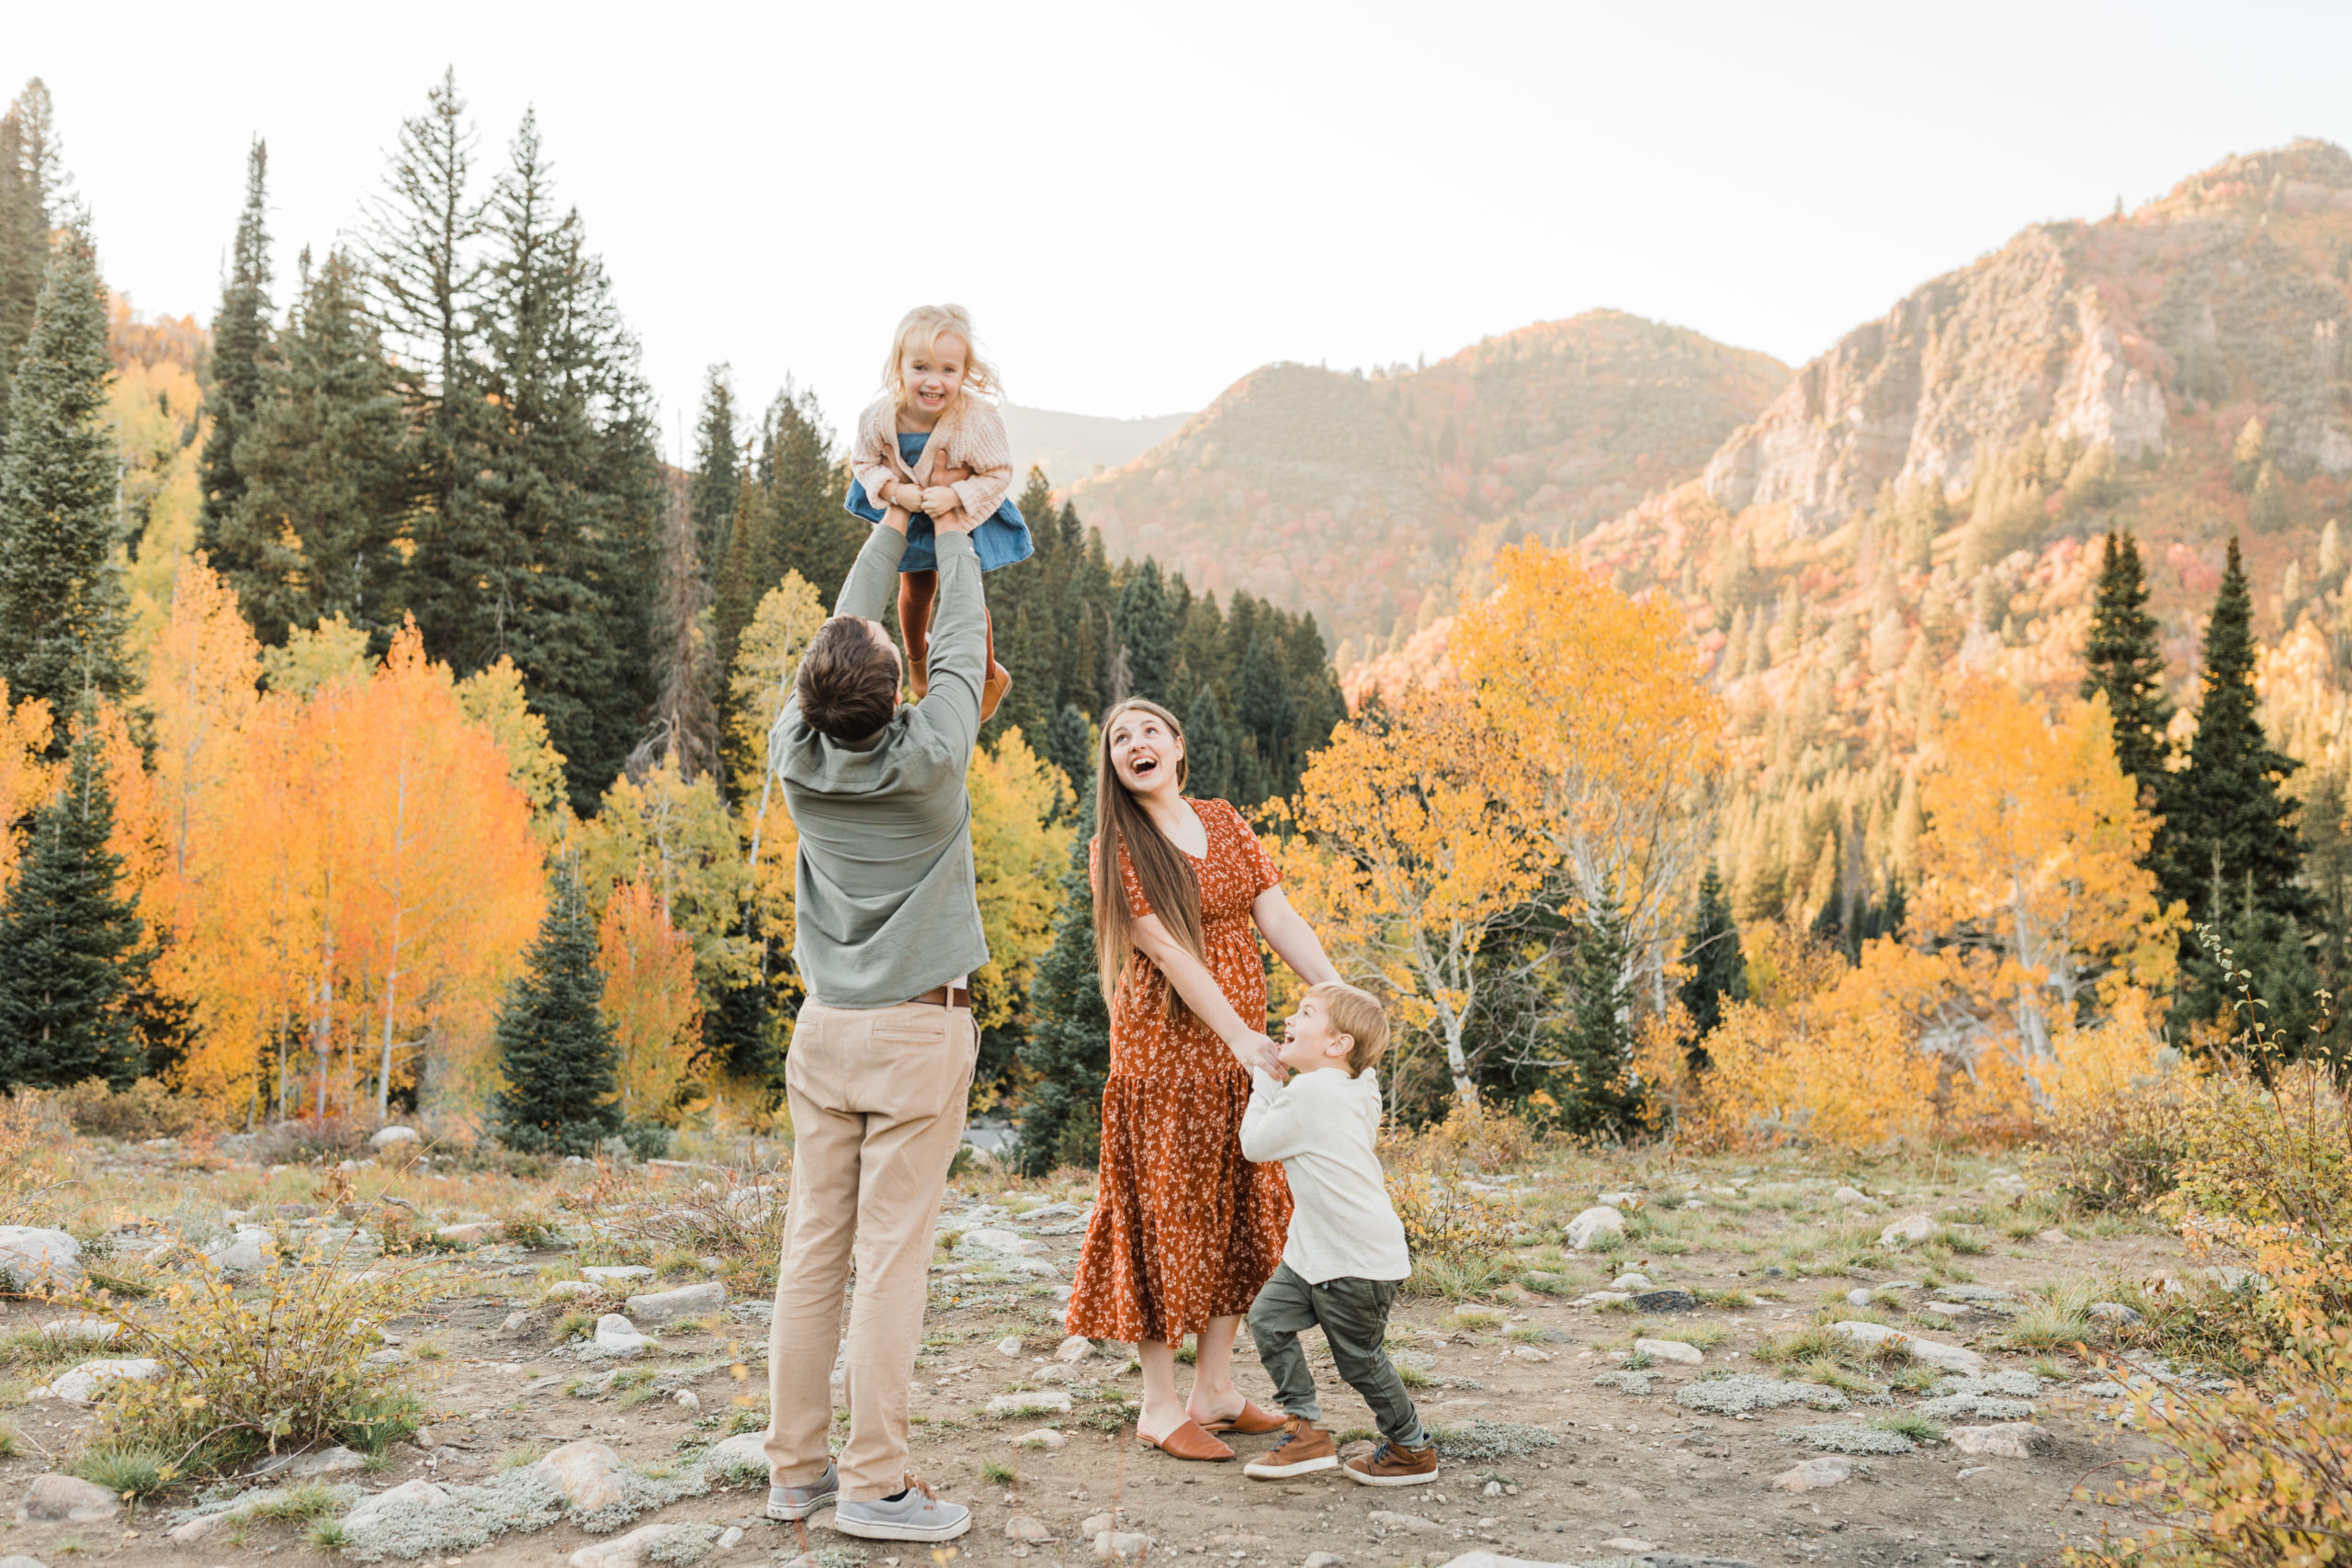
[(1184, 1228)]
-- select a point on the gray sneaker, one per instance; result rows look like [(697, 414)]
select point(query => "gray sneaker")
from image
[(799, 1502), (913, 1517)]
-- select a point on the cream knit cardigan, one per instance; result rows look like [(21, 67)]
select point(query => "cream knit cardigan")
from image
[(969, 436)]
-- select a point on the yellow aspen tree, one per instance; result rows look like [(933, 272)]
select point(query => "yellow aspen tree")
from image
[(1604, 699), (2030, 876), (1410, 850), (677, 836), (26, 777), (1018, 855), (767, 657)]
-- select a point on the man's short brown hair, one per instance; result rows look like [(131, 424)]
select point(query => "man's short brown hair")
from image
[(1358, 1015), (848, 683)]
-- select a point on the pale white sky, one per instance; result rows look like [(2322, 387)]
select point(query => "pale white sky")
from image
[(1141, 203)]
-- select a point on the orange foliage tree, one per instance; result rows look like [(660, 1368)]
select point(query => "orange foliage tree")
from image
[(27, 775), (650, 999)]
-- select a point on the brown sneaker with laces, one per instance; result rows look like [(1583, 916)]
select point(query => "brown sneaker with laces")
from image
[(1305, 1447), (1389, 1465)]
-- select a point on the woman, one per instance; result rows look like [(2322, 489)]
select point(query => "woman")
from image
[(1185, 1230)]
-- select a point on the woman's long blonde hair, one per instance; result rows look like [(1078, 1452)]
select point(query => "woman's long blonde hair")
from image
[(1169, 887), (926, 324)]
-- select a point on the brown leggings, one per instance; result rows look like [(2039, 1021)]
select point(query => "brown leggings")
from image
[(917, 591)]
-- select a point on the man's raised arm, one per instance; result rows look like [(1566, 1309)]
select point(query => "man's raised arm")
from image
[(959, 641), (873, 578)]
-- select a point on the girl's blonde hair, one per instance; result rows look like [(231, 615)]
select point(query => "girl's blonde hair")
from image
[(926, 324)]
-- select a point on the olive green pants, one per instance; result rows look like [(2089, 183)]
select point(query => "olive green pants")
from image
[(1353, 1314)]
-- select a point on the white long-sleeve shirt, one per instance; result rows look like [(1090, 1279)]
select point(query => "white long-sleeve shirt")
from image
[(1321, 1125)]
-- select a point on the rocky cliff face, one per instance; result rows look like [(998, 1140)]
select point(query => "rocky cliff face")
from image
[(1371, 499), (2231, 289)]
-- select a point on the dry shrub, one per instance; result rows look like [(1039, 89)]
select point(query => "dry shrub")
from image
[(2258, 1474), (2120, 1153), (1442, 1220), (275, 1360), (738, 1219), (38, 1156), (145, 1110), (311, 1139), (1492, 1139)]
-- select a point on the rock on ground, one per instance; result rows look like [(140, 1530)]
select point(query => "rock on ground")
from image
[(1909, 1228), (31, 1254), (388, 1138), (1021, 1527), (1592, 1225), (2111, 1312), (69, 1499), (615, 1332), (668, 1306), (603, 1273), (419, 1491), (58, 1329), (1385, 1520), (80, 1385), (742, 1449), (1665, 1301), (1933, 1351), (565, 1290), (587, 1471), (2010, 1439), (1043, 1437), (1076, 1347), (1121, 1546), (1630, 1282), (1670, 1351), (1814, 1474), (628, 1551), (250, 1250), (1037, 1402), (1314, 1560), (36, 1562)]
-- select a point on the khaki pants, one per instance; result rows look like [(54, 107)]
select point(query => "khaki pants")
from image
[(878, 1111)]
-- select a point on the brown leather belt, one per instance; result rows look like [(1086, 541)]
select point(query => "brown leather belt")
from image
[(942, 997)]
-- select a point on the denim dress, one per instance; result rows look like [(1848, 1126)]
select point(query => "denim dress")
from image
[(1002, 539)]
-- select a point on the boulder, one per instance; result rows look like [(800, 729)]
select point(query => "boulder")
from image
[(587, 1472), (1673, 1350), (617, 1334), (1830, 1469), (565, 1290), (2010, 1439), (2054, 1238), (84, 1382), (986, 1239), (1075, 1348), (325, 1461), (686, 1399), (1630, 1282), (31, 1256), (1935, 1352), (69, 1499), (1313, 1559), (472, 1233), (249, 1250), (1853, 1195), (394, 1137), (1592, 1225), (612, 1273), (1529, 1353), (744, 1450), (1909, 1228), (669, 1306), (1008, 1346)]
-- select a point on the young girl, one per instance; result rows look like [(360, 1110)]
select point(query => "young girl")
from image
[(933, 444)]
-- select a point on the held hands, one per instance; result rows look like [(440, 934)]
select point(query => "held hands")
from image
[(1258, 1053)]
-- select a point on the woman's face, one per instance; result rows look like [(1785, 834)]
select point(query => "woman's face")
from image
[(933, 372), (1144, 751)]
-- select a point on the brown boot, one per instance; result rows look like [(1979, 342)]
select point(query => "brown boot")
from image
[(1305, 1447), (998, 681), (1389, 1465)]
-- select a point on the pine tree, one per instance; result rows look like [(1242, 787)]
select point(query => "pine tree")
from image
[(2123, 657), (70, 944), (1263, 702), (2232, 851), (555, 1048), (814, 533), (241, 373), (61, 594), (423, 261), (717, 461), (1718, 968), (739, 1029), (1209, 748), (323, 468), (1068, 1044), (31, 194), (1146, 637), (1069, 745), (1598, 1042)]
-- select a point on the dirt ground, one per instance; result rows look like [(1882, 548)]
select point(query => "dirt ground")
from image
[(1766, 1246)]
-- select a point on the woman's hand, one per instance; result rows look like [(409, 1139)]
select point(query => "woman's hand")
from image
[(1258, 1053)]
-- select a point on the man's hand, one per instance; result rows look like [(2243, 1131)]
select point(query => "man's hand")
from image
[(939, 498)]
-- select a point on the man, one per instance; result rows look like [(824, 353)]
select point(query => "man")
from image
[(881, 1059)]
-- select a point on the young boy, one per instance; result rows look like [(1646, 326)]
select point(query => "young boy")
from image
[(1346, 1251)]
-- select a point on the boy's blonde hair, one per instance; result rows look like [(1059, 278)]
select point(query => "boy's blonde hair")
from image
[(926, 324), (1358, 1015)]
